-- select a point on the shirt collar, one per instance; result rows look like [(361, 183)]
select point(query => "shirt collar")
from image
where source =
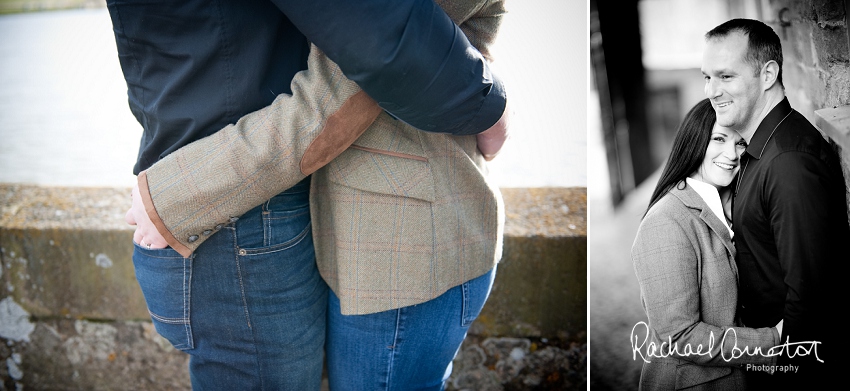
[(711, 196), (766, 128)]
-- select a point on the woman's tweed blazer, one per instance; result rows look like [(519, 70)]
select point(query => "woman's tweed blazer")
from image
[(684, 260), (398, 218)]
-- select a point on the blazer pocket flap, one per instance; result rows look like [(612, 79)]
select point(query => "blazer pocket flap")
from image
[(383, 172), (689, 375)]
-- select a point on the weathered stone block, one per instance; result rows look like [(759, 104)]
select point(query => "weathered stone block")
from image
[(66, 252), (797, 44), (830, 45), (541, 283), (838, 84), (67, 354), (72, 273), (835, 123), (815, 50)]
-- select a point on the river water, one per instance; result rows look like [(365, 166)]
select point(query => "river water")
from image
[(64, 119)]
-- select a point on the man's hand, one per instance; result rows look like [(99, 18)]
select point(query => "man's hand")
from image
[(146, 234), (491, 140)]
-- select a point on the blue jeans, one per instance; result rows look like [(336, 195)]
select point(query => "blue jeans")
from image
[(249, 305), (409, 348)]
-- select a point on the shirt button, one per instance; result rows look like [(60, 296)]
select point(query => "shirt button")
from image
[(218, 227), (193, 238), (233, 219), (207, 232)]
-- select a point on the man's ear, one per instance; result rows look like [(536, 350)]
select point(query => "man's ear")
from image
[(769, 74)]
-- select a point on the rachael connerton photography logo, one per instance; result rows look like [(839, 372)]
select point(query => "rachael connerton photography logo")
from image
[(649, 349)]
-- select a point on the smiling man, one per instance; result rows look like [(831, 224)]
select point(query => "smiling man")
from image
[(789, 211)]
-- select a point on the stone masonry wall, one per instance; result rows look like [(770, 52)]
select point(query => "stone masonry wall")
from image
[(73, 318), (816, 67)]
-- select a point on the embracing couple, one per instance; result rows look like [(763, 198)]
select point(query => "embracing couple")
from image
[(747, 229), (289, 210)]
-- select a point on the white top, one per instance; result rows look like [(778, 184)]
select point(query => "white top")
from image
[(711, 197)]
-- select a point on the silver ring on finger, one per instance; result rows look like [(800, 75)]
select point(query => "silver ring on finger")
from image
[(148, 246)]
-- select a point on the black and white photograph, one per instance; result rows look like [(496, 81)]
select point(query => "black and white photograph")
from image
[(718, 153)]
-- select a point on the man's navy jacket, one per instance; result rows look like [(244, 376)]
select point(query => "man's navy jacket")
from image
[(192, 67)]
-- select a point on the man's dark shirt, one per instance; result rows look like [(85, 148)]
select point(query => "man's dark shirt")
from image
[(192, 67), (791, 228)]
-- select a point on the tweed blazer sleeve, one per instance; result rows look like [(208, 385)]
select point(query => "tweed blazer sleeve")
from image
[(193, 192), (684, 261)]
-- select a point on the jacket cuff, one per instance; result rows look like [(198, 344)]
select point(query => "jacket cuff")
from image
[(150, 209), (491, 110)]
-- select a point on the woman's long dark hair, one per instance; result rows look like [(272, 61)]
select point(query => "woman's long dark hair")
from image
[(688, 149)]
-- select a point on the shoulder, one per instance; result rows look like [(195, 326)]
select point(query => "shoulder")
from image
[(672, 205), (798, 136), (798, 148), (665, 221)]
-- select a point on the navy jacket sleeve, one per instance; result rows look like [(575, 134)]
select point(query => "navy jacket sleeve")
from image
[(408, 56)]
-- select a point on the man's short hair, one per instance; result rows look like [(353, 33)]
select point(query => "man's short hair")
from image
[(763, 44)]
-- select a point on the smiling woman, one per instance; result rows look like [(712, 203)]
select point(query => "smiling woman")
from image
[(721, 157), (684, 261)]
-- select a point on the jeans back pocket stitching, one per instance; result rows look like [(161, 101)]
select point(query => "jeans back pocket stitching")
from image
[(165, 320), (464, 321)]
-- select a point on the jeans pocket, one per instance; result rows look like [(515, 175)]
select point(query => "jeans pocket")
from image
[(165, 279), (286, 218)]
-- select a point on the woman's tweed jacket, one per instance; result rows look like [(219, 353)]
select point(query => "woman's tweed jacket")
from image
[(684, 259), (398, 218)]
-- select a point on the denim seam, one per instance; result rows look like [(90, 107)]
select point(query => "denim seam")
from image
[(394, 348), (187, 299), (237, 258), (241, 282), (267, 228), (464, 318), (267, 224)]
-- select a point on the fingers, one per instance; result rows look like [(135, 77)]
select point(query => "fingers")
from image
[(490, 141), (149, 239), (128, 217), (146, 234), (137, 237)]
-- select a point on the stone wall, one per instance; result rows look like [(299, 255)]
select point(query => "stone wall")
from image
[(73, 318), (816, 68)]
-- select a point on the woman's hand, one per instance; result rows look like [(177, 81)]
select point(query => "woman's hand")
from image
[(491, 140), (146, 234)]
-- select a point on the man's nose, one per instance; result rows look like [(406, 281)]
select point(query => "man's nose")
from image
[(711, 90)]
